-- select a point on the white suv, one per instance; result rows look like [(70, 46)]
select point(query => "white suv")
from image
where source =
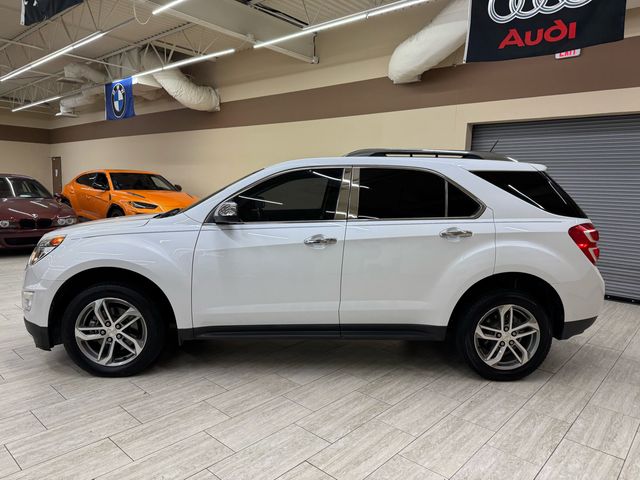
[(382, 244)]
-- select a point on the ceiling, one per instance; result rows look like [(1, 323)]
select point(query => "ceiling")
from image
[(177, 33)]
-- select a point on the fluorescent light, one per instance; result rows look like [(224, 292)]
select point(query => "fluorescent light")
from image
[(201, 58), (186, 61), (313, 29), (47, 58), (167, 6), (147, 72), (39, 102), (395, 6), (372, 12)]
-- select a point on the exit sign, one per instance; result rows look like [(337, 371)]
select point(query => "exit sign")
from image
[(569, 54)]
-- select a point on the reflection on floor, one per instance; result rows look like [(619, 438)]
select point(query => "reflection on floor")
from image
[(311, 410)]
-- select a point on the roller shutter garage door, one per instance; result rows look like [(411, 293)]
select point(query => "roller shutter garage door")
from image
[(597, 161)]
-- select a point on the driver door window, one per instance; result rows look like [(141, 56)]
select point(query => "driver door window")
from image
[(303, 195)]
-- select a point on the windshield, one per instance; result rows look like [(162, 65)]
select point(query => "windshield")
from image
[(17, 187), (216, 192), (140, 181)]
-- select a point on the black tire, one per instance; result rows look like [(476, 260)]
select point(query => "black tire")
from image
[(153, 318), (476, 310), (115, 212)]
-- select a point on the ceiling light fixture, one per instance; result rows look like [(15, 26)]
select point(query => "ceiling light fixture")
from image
[(167, 6), (47, 58), (186, 61), (392, 7), (343, 21), (39, 102)]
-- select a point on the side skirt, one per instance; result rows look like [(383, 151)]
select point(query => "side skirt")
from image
[(345, 331)]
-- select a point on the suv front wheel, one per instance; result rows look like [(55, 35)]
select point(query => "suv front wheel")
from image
[(504, 335), (112, 330)]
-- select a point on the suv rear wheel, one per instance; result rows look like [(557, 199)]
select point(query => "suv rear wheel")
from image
[(504, 335), (112, 330)]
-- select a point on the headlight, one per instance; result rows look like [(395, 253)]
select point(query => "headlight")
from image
[(143, 206), (66, 221), (8, 224), (44, 248)]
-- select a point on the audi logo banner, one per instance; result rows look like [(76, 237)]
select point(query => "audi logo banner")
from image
[(508, 29)]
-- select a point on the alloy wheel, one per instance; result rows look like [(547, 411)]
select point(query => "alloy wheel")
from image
[(507, 337), (110, 332)]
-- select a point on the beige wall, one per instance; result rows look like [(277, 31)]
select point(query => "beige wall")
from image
[(30, 159), (203, 161)]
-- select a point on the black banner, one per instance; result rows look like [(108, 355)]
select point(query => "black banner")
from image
[(508, 29), (34, 11)]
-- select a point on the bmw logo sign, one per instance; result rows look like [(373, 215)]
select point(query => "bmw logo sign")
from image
[(119, 100)]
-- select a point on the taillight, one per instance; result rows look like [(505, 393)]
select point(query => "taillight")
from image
[(586, 237)]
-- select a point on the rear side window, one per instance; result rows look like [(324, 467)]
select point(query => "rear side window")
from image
[(395, 193), (86, 179), (536, 188)]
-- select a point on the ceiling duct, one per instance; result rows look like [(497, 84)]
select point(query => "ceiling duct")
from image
[(176, 83), (431, 45), (79, 72)]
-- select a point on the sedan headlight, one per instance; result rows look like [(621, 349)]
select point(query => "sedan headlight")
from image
[(8, 224), (66, 221), (44, 248), (143, 205)]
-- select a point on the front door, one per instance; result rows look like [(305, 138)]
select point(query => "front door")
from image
[(413, 238), (279, 267)]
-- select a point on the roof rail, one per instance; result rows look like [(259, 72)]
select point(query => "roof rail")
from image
[(394, 152)]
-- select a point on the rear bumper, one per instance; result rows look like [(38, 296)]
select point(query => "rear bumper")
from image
[(571, 329), (40, 335)]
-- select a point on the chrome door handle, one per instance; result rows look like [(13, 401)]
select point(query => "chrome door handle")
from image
[(455, 232), (320, 240)]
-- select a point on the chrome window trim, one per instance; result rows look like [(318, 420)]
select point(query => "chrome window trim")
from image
[(354, 202), (344, 191)]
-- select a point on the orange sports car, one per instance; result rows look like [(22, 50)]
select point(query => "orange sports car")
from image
[(114, 193)]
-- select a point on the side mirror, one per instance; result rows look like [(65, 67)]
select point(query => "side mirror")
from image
[(178, 187), (58, 197), (226, 212)]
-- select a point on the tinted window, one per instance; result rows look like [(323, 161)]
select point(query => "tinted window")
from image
[(101, 179), (86, 179), (459, 204), (303, 195), (18, 187), (139, 181), (536, 188), (398, 193)]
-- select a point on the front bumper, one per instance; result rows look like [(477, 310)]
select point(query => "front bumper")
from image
[(40, 335), (22, 238), (571, 329)]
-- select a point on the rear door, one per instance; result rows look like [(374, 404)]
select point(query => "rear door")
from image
[(413, 239), (82, 189), (99, 198)]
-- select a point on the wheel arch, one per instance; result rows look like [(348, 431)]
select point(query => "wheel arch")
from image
[(95, 275), (531, 284), (115, 206)]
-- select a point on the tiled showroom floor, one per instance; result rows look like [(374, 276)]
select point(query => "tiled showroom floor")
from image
[(320, 410)]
